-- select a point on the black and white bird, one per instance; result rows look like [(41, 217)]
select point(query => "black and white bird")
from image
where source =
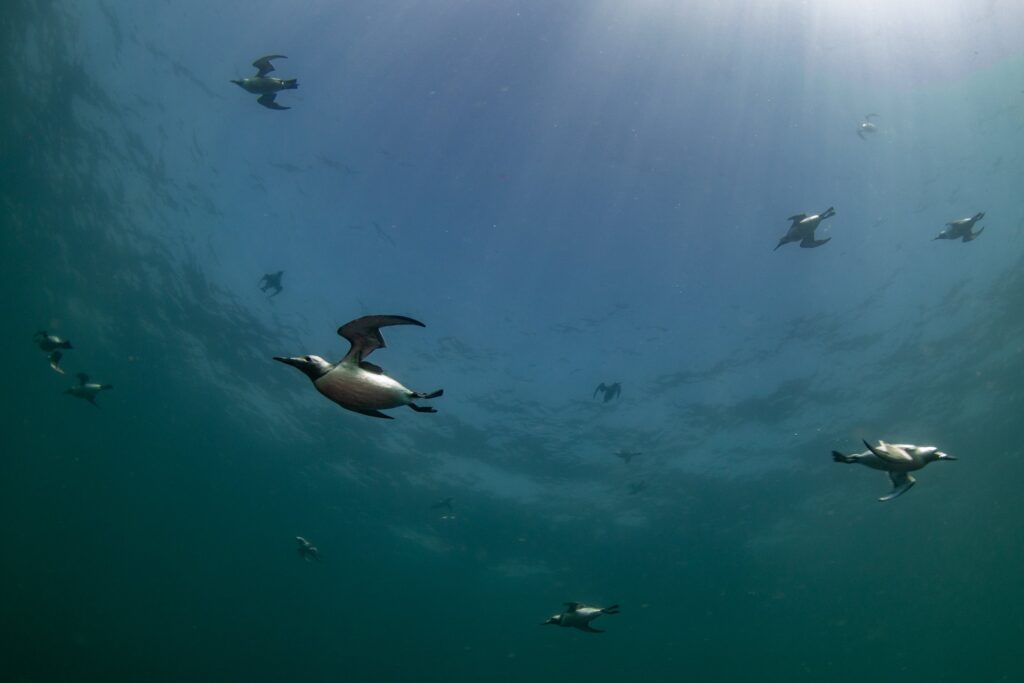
[(962, 229), (356, 384), (899, 460), (866, 126), (803, 227), (87, 390), (266, 86), (578, 615), (52, 345)]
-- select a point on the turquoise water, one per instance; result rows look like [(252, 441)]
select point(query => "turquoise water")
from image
[(566, 194)]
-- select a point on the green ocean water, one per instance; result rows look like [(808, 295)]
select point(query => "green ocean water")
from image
[(566, 194)]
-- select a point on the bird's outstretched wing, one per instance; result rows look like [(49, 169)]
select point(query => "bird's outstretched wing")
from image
[(901, 483), (364, 334), (267, 100), (263, 65), (600, 388)]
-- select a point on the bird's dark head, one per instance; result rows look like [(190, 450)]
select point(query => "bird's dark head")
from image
[(312, 366)]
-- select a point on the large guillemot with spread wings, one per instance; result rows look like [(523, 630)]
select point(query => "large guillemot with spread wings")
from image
[(355, 384)]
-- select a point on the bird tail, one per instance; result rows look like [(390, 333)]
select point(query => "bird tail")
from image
[(614, 609), (839, 457), (291, 84)]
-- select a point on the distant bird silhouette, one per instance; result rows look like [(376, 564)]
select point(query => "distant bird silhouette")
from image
[(266, 86), (803, 227), (87, 390), (610, 391), (271, 281), (307, 550), (962, 229), (52, 345), (627, 456), (637, 487), (866, 126)]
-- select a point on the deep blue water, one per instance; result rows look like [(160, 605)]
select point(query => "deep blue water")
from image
[(566, 193)]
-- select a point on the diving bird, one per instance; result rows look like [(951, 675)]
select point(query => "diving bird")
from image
[(266, 86), (803, 227), (896, 459), (962, 229), (578, 615), (866, 126), (610, 391), (355, 384), (87, 389), (627, 456), (307, 550), (271, 281), (52, 345)]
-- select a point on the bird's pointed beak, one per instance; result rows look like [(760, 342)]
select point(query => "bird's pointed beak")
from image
[(947, 456), (294, 362)]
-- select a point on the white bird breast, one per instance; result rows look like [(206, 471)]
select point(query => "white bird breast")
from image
[(357, 388)]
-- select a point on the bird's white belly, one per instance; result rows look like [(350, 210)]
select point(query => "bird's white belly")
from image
[(361, 390)]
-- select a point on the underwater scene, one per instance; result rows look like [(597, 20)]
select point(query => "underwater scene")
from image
[(512, 340)]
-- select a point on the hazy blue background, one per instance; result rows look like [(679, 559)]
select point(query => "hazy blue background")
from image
[(566, 193)]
